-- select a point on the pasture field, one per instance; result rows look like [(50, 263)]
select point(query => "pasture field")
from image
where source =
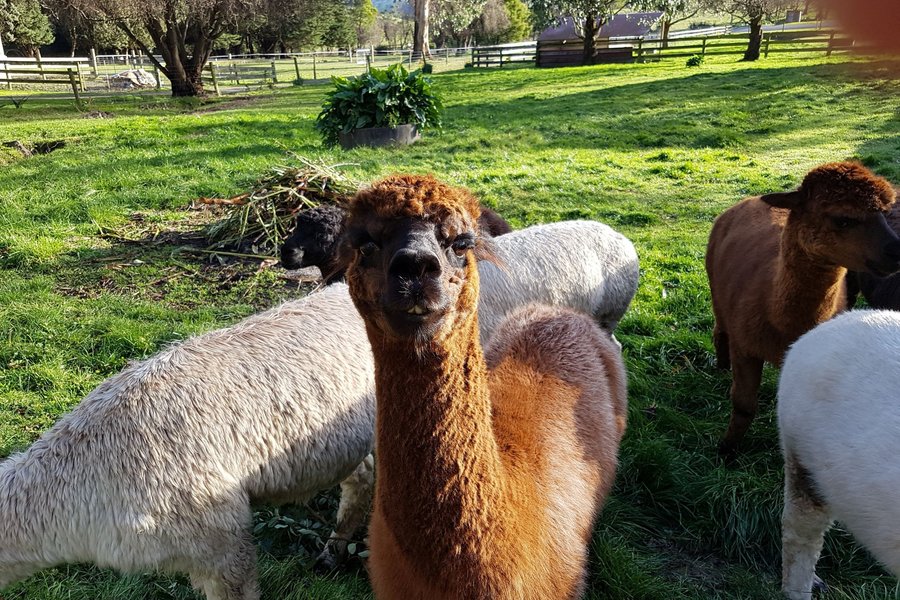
[(91, 276)]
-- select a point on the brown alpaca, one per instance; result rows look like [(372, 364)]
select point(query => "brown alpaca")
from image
[(491, 467), (776, 265)]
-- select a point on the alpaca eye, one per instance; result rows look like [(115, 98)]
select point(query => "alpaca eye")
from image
[(844, 222), (368, 249), (462, 244)]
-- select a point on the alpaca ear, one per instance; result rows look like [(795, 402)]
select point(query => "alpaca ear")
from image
[(486, 250), (789, 200)]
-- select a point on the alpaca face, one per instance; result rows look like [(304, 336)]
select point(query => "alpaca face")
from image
[(838, 217), (314, 240), (407, 273), (859, 242)]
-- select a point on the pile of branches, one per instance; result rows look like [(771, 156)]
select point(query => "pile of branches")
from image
[(257, 222)]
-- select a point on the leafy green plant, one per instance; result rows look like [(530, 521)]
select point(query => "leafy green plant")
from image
[(694, 61), (380, 98)]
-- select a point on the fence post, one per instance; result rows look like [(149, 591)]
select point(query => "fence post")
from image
[(93, 62), (156, 75), (703, 49), (7, 75), (40, 65), (640, 49), (274, 72), (368, 63), (74, 83), (830, 43), (80, 76), (501, 58), (237, 76), (215, 80), (766, 41), (297, 68), (314, 65)]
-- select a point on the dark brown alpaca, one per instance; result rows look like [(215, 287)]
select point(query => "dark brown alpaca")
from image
[(776, 265), (491, 467)]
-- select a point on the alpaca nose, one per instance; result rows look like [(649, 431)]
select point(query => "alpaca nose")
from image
[(291, 256), (408, 263)]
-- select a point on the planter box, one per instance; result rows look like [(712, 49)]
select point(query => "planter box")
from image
[(401, 135)]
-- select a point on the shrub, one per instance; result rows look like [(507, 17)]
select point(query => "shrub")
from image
[(695, 61), (380, 98)]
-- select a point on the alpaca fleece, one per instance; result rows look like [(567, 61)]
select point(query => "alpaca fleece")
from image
[(157, 467), (491, 469), (838, 418)]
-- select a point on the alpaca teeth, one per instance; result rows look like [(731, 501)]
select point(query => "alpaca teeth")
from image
[(416, 310)]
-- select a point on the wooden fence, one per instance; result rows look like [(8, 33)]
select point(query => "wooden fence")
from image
[(497, 56), (827, 41), (558, 53), (68, 72)]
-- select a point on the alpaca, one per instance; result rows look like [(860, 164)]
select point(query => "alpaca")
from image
[(316, 239), (838, 418), (157, 467), (776, 265), (491, 466)]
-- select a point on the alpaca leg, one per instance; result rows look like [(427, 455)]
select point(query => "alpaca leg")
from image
[(803, 524), (746, 376), (229, 576), (356, 499), (720, 343)]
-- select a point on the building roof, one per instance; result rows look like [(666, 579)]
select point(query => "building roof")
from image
[(621, 25)]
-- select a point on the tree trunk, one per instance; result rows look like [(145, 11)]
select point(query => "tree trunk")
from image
[(590, 35), (666, 26), (752, 52), (420, 43), (2, 53), (189, 85)]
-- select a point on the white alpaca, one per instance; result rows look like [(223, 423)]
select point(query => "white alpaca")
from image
[(157, 467), (839, 418)]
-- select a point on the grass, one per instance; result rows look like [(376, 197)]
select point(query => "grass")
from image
[(656, 150)]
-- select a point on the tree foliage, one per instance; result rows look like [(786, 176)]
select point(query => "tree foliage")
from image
[(182, 31), (23, 23), (675, 11)]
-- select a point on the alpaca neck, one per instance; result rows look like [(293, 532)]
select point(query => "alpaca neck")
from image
[(807, 292), (439, 466)]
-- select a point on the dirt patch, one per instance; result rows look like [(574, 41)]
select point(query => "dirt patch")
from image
[(30, 149), (168, 260)]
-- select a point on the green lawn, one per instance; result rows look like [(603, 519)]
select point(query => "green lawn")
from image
[(655, 150)]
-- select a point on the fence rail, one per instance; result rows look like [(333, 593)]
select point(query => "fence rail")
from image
[(490, 56), (826, 41)]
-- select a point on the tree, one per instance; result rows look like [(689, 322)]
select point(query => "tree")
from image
[(452, 18), (754, 12), (588, 16), (24, 23), (421, 12), (182, 31), (503, 21), (674, 11)]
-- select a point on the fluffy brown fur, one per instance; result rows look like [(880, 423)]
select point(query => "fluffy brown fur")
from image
[(491, 468), (776, 265)]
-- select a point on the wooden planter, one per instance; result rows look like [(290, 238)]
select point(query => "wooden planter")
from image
[(401, 135)]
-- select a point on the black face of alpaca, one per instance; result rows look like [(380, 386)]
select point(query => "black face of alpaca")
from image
[(314, 241), (411, 271)]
